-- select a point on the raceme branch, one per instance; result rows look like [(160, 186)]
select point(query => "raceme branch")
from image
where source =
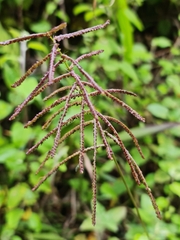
[(83, 89)]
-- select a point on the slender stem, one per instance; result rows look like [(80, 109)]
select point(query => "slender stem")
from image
[(35, 35), (131, 196)]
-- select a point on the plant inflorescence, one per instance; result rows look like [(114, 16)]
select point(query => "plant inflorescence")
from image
[(79, 93)]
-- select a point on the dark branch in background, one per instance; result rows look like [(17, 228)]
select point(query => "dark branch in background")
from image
[(77, 95)]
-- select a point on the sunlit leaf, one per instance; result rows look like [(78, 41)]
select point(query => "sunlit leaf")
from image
[(41, 26), (161, 42), (81, 8), (37, 46), (105, 219), (158, 110), (47, 236), (34, 222), (20, 136), (16, 195), (13, 217), (129, 70), (175, 188), (5, 109), (134, 19), (50, 7)]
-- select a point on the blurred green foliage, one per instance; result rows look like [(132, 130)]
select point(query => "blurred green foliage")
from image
[(141, 54)]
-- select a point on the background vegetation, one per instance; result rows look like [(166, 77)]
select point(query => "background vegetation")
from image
[(141, 54)]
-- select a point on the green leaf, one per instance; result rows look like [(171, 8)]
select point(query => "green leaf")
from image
[(20, 136), (111, 190), (167, 67), (41, 26), (16, 195), (2, 196), (16, 238), (112, 66), (26, 87), (5, 109), (126, 30), (11, 156), (47, 236), (107, 167), (161, 42), (105, 219), (10, 74), (4, 34), (175, 188), (140, 53), (45, 187), (50, 8), (113, 238), (34, 222), (37, 46), (146, 210), (80, 8), (62, 15), (158, 110), (133, 18), (115, 215), (162, 202), (161, 177), (13, 217), (95, 13), (129, 70), (7, 57)]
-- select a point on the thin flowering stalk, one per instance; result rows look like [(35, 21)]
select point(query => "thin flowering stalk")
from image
[(57, 91), (94, 180), (32, 94), (30, 70), (86, 55), (76, 116), (47, 109), (73, 130), (143, 180), (128, 131), (81, 32), (20, 39), (60, 100), (56, 29), (120, 143), (28, 99), (85, 94), (58, 134), (48, 122), (51, 65), (123, 104), (133, 170), (61, 163), (81, 155), (88, 77), (59, 78), (43, 162), (111, 90), (36, 35), (54, 130), (106, 144)]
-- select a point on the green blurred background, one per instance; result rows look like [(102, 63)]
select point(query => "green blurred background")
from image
[(141, 54)]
